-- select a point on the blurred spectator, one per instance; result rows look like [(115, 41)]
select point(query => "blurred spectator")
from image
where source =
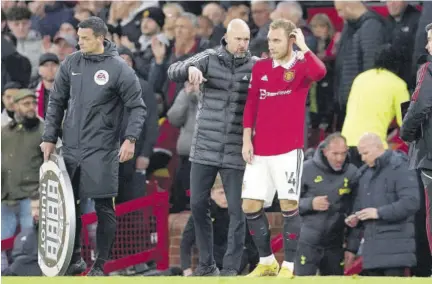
[(322, 94), (48, 65), (64, 45), (237, 10), (403, 20), (47, 16), (216, 14), (293, 12), (220, 219), (132, 173), (261, 11), (375, 99), (185, 45), (14, 66), (21, 160), (29, 42), (81, 13), (25, 248), (182, 114), (206, 29), (4, 27), (323, 212), (363, 32), (171, 11), (152, 23), (68, 29), (420, 54), (384, 208), (128, 15), (10, 90)]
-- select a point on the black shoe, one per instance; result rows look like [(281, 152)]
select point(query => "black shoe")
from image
[(206, 271), (76, 268), (96, 271), (228, 272)]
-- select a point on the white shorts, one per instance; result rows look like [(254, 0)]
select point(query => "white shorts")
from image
[(267, 174)]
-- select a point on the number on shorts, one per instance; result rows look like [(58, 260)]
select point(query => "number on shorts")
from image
[(290, 179)]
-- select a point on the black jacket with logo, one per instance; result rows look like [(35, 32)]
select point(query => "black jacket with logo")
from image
[(325, 228)]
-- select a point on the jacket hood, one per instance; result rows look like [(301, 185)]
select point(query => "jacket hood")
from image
[(392, 158), (229, 57), (110, 50), (7, 48), (321, 161), (356, 24)]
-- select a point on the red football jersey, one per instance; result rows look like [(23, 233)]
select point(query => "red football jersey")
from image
[(276, 102)]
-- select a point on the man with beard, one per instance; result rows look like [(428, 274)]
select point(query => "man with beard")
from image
[(48, 65), (217, 140), (10, 90), (325, 198), (21, 160), (273, 140), (94, 86)]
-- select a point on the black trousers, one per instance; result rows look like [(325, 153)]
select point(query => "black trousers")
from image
[(426, 176), (202, 178), (310, 259), (389, 272), (178, 199), (106, 227)]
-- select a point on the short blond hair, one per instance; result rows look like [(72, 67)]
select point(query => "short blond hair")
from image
[(286, 25)]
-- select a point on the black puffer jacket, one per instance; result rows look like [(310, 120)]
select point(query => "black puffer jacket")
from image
[(325, 228), (218, 135)]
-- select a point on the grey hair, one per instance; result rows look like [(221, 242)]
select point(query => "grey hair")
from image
[(429, 27), (271, 4), (174, 5), (297, 9), (192, 17)]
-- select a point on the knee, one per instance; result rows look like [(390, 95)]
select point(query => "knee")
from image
[(199, 205), (289, 205), (252, 206)]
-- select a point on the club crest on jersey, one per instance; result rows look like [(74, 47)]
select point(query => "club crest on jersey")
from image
[(289, 76), (101, 77)]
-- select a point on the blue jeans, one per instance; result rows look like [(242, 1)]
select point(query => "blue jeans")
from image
[(10, 215)]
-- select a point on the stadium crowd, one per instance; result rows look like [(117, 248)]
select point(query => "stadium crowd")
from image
[(358, 193)]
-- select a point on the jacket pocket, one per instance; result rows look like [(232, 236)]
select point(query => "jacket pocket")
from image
[(106, 121)]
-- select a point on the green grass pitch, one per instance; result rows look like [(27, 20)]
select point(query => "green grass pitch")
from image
[(210, 280)]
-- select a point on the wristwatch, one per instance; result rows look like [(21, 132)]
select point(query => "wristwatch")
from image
[(131, 139)]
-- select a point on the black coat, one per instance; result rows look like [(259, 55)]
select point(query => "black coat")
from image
[(325, 228), (218, 136), (94, 90), (392, 189)]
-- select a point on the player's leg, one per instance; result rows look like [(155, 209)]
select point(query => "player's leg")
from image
[(256, 187), (202, 178), (232, 182), (286, 171)]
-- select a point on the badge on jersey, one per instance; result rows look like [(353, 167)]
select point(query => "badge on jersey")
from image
[(289, 76), (101, 77)]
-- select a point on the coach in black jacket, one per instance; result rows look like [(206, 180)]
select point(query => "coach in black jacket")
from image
[(325, 200), (217, 141)]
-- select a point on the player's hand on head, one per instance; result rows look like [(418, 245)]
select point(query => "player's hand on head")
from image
[(300, 41), (127, 151), (195, 76), (247, 152)]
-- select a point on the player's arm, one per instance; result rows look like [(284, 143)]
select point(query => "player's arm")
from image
[(57, 103), (251, 107), (316, 69), (179, 71)]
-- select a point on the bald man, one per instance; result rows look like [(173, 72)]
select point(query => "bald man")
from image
[(386, 201), (224, 74)]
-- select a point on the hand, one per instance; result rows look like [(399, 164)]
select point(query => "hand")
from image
[(187, 272), (124, 41), (352, 221), (247, 151), (47, 149), (349, 259), (191, 88), (127, 151), (320, 203), (195, 76), (46, 43), (367, 214), (142, 163), (299, 39), (158, 49)]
